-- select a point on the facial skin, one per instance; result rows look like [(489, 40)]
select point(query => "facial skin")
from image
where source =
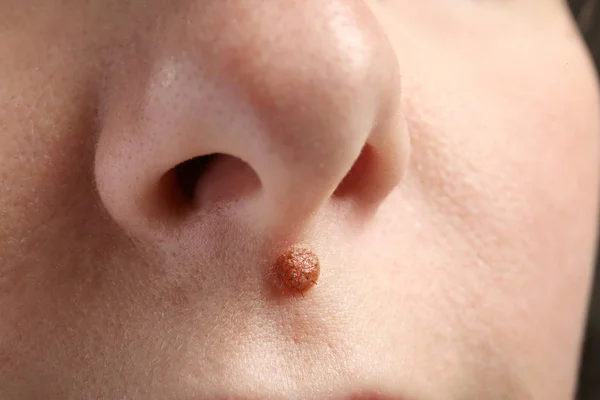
[(439, 156)]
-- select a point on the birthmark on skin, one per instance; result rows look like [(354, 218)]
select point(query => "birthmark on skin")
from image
[(297, 269)]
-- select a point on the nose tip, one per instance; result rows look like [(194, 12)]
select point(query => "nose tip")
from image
[(304, 92), (322, 83)]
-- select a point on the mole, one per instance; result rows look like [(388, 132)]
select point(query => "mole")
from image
[(297, 268)]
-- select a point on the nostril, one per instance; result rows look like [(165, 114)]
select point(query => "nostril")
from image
[(225, 179), (188, 172), (371, 178), (358, 174), (176, 189), (203, 181)]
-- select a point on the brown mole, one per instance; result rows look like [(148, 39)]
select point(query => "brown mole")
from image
[(297, 269)]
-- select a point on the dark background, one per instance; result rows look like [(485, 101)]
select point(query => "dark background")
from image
[(587, 13)]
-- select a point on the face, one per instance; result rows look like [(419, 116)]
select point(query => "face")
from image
[(440, 158)]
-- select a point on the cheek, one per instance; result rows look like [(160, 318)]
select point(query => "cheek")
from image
[(506, 143), (503, 182)]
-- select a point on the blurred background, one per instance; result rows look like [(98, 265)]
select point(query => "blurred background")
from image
[(587, 13)]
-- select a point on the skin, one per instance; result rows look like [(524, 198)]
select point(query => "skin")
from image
[(439, 156)]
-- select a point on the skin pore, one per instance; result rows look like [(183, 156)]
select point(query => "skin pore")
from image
[(440, 157)]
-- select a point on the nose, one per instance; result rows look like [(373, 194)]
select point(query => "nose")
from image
[(267, 110)]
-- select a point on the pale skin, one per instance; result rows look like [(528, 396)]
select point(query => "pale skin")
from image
[(455, 256)]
